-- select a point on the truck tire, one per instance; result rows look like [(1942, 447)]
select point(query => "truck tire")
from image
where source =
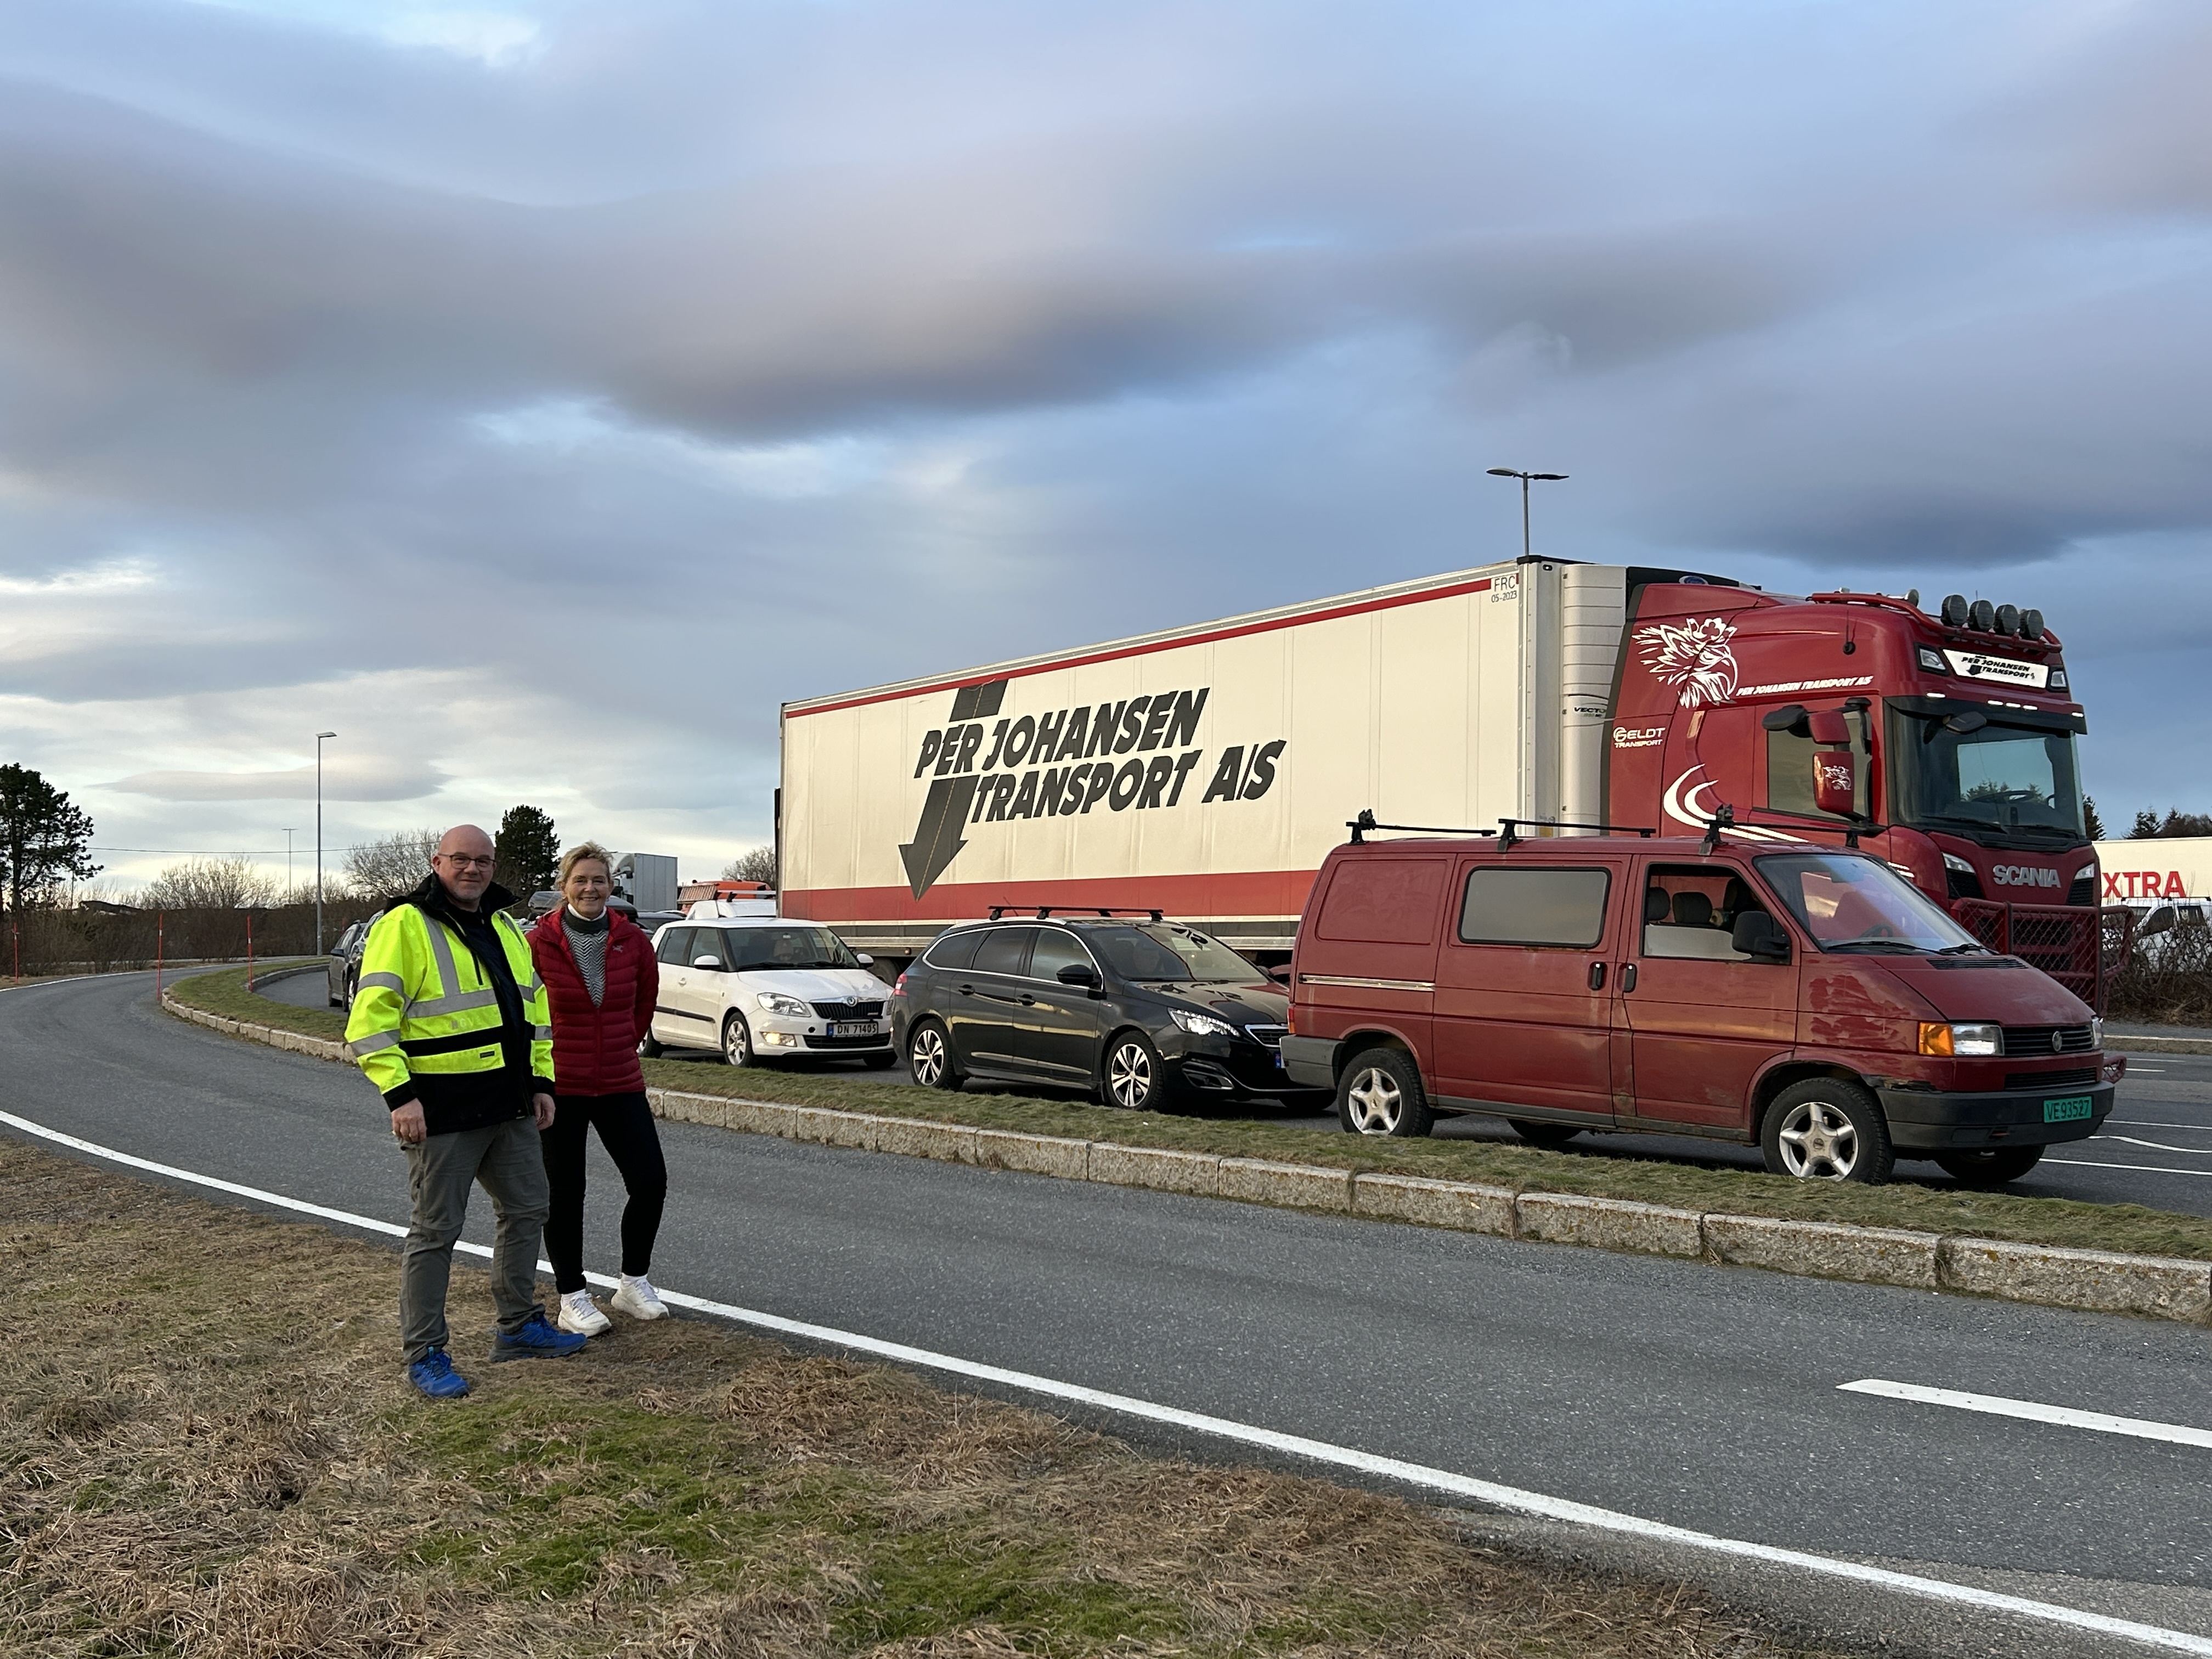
[(1826, 1129), (1992, 1168), (1380, 1093), (929, 1057), (1543, 1134)]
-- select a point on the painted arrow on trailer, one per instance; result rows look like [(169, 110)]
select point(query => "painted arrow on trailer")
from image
[(937, 840)]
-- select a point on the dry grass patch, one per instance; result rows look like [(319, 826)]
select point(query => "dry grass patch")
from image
[(209, 1450)]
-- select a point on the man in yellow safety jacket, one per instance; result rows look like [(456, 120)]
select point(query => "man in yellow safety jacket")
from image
[(450, 1023)]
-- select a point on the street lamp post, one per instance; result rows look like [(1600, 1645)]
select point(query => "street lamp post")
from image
[(289, 834), (1525, 478), (319, 736)]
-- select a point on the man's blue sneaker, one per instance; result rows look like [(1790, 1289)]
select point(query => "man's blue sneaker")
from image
[(537, 1340), (435, 1375)]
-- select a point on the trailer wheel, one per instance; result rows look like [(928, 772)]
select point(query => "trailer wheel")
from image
[(1826, 1129), (1992, 1168), (929, 1057), (1380, 1093)]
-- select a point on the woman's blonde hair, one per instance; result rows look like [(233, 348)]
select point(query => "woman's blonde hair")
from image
[(581, 851)]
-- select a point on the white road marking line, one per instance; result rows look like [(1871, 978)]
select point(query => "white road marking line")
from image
[(2152, 1123), (2033, 1411), (1318, 1451), (2155, 1145), (2139, 1168)]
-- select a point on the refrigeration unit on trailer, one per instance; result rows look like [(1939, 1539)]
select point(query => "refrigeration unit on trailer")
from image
[(1207, 770)]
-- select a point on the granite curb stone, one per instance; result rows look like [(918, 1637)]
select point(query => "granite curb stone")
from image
[(1157, 1168), (1824, 1250), (1610, 1223), (1463, 1206), (1295, 1186), (2101, 1281)]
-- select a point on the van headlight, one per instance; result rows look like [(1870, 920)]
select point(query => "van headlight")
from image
[(1201, 1025), (1960, 1041), (790, 1007)]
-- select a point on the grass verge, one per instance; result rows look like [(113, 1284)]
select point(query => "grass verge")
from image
[(1938, 1208), (261, 1481)]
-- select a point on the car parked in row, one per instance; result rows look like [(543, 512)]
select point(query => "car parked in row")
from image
[(1139, 1013), (763, 989), (1803, 998)]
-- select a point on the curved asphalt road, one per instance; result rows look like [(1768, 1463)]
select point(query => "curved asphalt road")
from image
[(1700, 1396)]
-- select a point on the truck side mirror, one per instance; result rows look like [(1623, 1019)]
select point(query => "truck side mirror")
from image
[(1828, 726), (1836, 782), (1758, 935)]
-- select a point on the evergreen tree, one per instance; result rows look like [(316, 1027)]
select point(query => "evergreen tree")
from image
[(2090, 821), (528, 851), (42, 837)]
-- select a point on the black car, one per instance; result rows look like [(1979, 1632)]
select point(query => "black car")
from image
[(1141, 1013), (344, 965)]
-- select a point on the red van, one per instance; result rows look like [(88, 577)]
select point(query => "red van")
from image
[(1806, 999)]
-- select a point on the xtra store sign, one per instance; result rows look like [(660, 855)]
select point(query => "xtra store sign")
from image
[(2155, 867), (1137, 754)]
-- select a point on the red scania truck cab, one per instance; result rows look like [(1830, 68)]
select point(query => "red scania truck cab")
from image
[(1943, 744)]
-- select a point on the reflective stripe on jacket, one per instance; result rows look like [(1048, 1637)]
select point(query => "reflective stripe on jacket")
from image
[(426, 1018)]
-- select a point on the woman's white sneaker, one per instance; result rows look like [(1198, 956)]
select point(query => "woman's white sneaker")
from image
[(580, 1314), (637, 1299)]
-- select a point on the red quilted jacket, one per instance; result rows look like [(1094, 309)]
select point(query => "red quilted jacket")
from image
[(595, 1049)]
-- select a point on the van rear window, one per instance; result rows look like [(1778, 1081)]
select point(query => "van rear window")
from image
[(1533, 907), (1384, 900)]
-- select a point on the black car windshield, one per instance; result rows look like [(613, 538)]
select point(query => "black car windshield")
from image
[(1999, 778), (785, 947), (1853, 904), (1162, 951)]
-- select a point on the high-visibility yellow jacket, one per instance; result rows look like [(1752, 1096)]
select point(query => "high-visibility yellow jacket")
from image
[(426, 1023)]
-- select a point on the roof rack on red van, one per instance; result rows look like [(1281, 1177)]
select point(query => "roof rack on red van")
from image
[(1041, 911), (1852, 829), (1508, 833)]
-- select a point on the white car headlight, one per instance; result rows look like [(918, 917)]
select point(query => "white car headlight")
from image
[(1202, 1024), (775, 1002)]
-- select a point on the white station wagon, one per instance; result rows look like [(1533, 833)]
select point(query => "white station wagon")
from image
[(766, 988)]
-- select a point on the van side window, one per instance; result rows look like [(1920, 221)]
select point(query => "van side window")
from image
[(1689, 910), (675, 945), (1533, 907), (1790, 769), (954, 951), (1384, 900)]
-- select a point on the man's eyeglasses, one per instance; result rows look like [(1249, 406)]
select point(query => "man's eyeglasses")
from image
[(464, 861)]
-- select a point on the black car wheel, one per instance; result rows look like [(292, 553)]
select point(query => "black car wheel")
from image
[(1990, 1169), (1136, 1081), (929, 1057), (1380, 1093)]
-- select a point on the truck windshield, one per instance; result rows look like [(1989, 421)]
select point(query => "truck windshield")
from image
[(1163, 950), (2000, 782), (1853, 904)]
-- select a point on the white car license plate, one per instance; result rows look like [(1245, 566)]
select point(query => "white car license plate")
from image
[(853, 1028)]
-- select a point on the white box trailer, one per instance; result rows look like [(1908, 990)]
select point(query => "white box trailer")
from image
[(1204, 770)]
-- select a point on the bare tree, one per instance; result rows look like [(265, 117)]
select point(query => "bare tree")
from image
[(754, 863), (393, 866), (205, 884)]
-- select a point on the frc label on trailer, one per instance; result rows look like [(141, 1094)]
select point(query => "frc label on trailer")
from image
[(985, 769)]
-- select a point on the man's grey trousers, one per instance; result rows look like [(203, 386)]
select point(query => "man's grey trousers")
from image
[(506, 1158)]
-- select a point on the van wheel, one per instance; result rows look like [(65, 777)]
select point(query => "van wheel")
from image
[(1380, 1093), (738, 1042), (929, 1057), (1826, 1129), (1543, 1134), (1136, 1081), (1990, 1169)]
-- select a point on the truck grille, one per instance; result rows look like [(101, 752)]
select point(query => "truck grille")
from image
[(2022, 1041), (849, 1010), (2049, 1079), (2083, 891), (1962, 884)]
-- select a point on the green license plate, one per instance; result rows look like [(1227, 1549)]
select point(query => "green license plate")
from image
[(2066, 1111)]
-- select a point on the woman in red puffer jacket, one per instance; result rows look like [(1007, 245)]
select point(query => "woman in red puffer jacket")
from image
[(600, 980)]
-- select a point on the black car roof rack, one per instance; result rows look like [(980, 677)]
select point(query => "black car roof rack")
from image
[(1039, 912)]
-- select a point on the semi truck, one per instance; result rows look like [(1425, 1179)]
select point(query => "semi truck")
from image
[(1204, 771)]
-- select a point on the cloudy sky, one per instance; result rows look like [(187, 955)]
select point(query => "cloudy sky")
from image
[(536, 395)]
